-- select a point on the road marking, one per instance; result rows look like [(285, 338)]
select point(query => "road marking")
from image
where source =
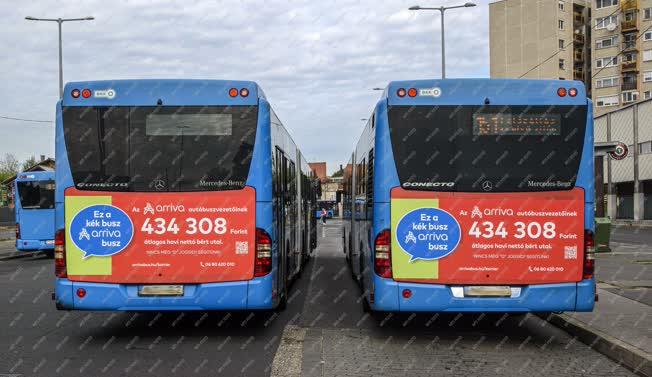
[(288, 358)]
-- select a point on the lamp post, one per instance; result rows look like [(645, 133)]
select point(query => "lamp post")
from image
[(60, 21), (442, 9)]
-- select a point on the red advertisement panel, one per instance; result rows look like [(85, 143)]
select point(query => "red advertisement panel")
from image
[(149, 238), (487, 238)]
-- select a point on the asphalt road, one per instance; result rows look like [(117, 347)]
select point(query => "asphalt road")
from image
[(329, 335)]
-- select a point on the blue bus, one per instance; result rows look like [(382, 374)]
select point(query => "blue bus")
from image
[(177, 195), (34, 208), (474, 195)]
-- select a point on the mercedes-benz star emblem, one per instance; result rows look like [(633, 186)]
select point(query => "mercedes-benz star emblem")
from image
[(159, 184), (487, 186)]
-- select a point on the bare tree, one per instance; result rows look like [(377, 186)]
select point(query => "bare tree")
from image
[(9, 166)]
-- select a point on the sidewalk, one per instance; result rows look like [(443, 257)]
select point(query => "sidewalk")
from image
[(618, 327)]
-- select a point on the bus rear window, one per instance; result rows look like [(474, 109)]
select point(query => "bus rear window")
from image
[(487, 148), (36, 194), (185, 148)]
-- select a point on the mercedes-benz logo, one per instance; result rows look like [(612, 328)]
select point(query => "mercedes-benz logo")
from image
[(487, 186), (159, 184)]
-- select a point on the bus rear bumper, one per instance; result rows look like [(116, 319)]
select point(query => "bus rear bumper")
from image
[(33, 245), (439, 298), (239, 295)]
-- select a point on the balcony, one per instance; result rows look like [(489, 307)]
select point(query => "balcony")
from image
[(629, 66), (578, 19), (629, 85), (578, 38), (628, 26), (626, 5), (578, 74), (629, 45), (578, 57)]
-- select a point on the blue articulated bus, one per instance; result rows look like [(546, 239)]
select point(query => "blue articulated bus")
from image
[(177, 195), (474, 195), (34, 206)]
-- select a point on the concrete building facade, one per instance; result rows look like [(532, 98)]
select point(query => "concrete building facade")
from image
[(540, 39)]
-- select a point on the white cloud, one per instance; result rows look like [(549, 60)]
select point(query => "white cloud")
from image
[(316, 61)]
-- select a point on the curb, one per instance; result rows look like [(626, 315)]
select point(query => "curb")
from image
[(637, 360)]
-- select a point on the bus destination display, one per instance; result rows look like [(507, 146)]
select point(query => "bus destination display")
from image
[(516, 124)]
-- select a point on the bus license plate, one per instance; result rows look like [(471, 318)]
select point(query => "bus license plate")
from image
[(160, 290), (487, 291)]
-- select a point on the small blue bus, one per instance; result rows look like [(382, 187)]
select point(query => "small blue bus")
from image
[(474, 195), (34, 206), (177, 195)]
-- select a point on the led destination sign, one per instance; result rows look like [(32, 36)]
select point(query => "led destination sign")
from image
[(516, 124)]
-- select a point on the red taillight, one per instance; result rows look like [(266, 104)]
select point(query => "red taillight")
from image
[(401, 92), (572, 92), (86, 93), (383, 254), (244, 92), (75, 93), (233, 92), (412, 92), (589, 259), (60, 254), (561, 92), (263, 261), (17, 231)]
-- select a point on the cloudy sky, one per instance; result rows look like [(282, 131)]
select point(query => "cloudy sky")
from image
[(316, 60)]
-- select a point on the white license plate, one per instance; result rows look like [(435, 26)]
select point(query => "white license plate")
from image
[(160, 290), (49, 242), (487, 291)]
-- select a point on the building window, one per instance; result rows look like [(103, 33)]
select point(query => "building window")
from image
[(601, 23), (606, 42), (561, 5), (630, 96), (645, 147), (606, 101), (561, 24), (647, 13), (561, 44), (629, 57), (605, 3), (647, 36), (610, 61), (647, 76), (561, 64), (647, 94), (606, 82), (647, 55)]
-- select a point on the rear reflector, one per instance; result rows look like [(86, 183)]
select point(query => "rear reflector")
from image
[(263, 260), (60, 254), (383, 254), (81, 292), (17, 231), (589, 258)]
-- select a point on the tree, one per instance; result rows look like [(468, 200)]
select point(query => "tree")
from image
[(8, 166), (29, 163), (338, 173)]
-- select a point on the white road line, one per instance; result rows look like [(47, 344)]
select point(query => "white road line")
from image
[(289, 355)]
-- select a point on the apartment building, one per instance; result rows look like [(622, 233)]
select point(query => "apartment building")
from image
[(540, 39), (622, 53)]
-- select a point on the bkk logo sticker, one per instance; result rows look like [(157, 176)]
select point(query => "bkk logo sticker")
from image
[(101, 230)]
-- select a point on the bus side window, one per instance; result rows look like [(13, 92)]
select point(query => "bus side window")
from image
[(369, 177)]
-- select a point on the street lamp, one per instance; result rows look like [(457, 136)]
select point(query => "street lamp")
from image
[(442, 9), (60, 21)]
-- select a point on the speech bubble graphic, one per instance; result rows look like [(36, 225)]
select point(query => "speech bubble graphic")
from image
[(101, 230), (428, 234)]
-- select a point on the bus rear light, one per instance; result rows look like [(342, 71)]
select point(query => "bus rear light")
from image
[(383, 254), (401, 92), (81, 292), (244, 92), (561, 92), (86, 93), (589, 258), (75, 93), (263, 260), (412, 92), (572, 92), (233, 92), (17, 231), (60, 254)]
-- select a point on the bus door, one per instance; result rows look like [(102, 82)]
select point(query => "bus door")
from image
[(291, 216)]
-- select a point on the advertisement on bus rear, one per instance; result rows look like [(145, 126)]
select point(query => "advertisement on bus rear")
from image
[(176, 237), (481, 238)]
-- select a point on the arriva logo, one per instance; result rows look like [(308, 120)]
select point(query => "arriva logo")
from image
[(108, 94), (429, 184), (434, 92)]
